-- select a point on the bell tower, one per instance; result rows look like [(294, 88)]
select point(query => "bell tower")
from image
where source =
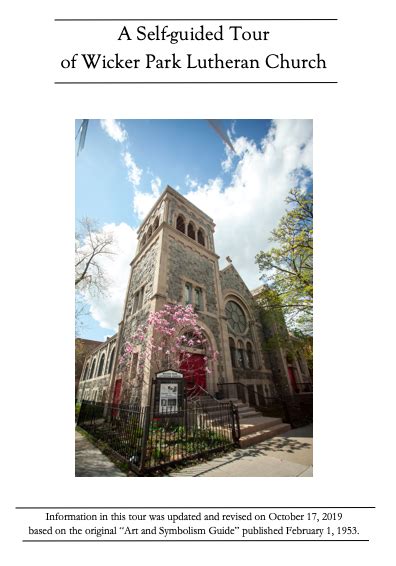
[(190, 273), (175, 263)]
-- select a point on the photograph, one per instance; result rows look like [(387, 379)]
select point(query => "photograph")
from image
[(194, 297)]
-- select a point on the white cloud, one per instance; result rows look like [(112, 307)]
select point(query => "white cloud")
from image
[(107, 310), (143, 202), (114, 129), (155, 186), (134, 172), (227, 163), (248, 208), (117, 132), (190, 182)]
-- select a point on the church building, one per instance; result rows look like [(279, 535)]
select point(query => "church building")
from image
[(176, 263)]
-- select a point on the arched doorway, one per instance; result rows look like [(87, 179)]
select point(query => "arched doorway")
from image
[(193, 369), (193, 365)]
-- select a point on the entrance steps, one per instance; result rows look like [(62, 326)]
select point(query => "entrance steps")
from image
[(255, 427)]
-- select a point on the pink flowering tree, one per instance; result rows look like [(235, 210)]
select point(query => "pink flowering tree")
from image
[(167, 340)]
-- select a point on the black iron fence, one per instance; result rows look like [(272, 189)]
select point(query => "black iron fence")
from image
[(147, 442)]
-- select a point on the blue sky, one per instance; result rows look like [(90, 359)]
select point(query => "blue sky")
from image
[(170, 149), (126, 164)]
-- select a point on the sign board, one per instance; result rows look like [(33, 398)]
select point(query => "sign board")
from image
[(170, 374), (169, 393)]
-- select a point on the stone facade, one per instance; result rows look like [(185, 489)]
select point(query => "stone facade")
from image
[(97, 368), (176, 263), (249, 366), (83, 348), (188, 265)]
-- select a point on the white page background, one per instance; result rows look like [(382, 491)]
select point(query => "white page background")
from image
[(354, 311)]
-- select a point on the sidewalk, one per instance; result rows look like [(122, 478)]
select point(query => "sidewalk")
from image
[(287, 455), (90, 462)]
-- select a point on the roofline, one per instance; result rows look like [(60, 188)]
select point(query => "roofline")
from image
[(159, 199), (185, 200), (92, 352), (169, 190), (228, 267), (257, 290), (89, 340)]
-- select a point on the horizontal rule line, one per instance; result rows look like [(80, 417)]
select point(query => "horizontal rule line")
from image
[(191, 82), (188, 507), (203, 540), (196, 19)]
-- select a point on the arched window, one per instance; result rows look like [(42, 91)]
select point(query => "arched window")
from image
[(143, 239), (180, 224), (249, 352), (156, 223), (92, 372), (134, 368), (241, 355), (191, 231), (198, 302), (140, 300), (111, 360), (101, 364), (188, 294), (149, 232), (201, 237), (233, 353), (86, 372)]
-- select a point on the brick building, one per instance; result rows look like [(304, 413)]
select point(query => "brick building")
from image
[(176, 262)]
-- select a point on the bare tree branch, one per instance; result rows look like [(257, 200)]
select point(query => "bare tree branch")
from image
[(91, 245)]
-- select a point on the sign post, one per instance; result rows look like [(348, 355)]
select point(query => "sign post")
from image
[(168, 393)]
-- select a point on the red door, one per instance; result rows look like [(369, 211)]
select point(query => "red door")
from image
[(292, 379), (117, 392), (194, 373)]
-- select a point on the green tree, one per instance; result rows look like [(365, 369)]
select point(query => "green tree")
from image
[(287, 268)]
